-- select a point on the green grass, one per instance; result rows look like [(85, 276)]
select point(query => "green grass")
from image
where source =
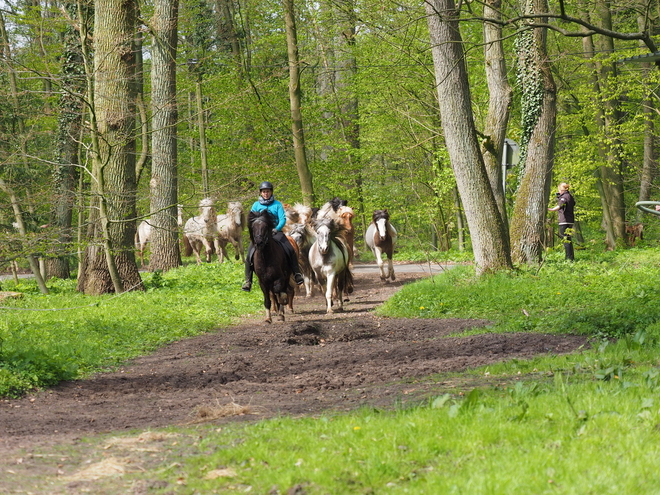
[(572, 424), (613, 297), (65, 335), (564, 433)]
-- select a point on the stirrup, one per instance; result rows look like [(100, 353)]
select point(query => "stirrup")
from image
[(298, 278)]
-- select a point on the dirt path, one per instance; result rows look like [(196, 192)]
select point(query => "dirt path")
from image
[(311, 363)]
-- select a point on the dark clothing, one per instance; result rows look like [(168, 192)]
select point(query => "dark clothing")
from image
[(566, 212), (566, 204), (567, 239)]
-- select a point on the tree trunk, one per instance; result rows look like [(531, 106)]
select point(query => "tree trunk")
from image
[(650, 164), (304, 174), (69, 130), (226, 30), (610, 174), (460, 226), (201, 126), (164, 232), (539, 117), (489, 241), (499, 104), (110, 256)]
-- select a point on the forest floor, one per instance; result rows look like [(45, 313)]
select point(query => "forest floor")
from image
[(313, 362)]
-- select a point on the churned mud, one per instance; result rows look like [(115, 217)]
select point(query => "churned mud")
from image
[(310, 363)]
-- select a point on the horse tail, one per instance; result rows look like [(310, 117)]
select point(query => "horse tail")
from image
[(348, 280), (187, 247)]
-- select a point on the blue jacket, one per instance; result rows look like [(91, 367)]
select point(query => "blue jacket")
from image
[(275, 209)]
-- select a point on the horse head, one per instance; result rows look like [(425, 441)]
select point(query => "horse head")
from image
[(323, 231), (207, 211), (346, 215), (380, 219), (235, 212), (261, 225), (327, 230)]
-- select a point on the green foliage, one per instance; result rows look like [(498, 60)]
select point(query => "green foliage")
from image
[(65, 335)]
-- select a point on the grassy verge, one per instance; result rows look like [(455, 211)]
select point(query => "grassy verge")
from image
[(65, 335), (573, 431), (612, 296)]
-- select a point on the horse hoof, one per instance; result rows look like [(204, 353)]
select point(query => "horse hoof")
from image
[(237, 257), (280, 318), (268, 321)]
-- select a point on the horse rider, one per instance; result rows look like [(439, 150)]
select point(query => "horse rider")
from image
[(268, 202)]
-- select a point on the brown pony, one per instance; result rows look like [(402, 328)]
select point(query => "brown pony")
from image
[(270, 264)]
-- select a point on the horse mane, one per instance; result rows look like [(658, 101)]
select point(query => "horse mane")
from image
[(346, 211), (302, 229), (337, 202), (336, 228), (380, 214), (206, 202), (304, 210)]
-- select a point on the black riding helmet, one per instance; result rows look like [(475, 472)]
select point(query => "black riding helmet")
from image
[(266, 185)]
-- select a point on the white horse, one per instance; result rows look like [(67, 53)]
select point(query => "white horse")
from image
[(202, 232), (230, 229), (329, 257), (381, 238), (142, 237), (143, 233)]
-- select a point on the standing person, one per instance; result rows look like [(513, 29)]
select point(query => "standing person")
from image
[(566, 208), (268, 202)]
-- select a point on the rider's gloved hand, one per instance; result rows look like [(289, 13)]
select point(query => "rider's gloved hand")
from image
[(274, 231)]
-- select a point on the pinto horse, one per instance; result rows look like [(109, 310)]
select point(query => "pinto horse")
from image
[(329, 259), (230, 230), (270, 264), (202, 232), (381, 238), (304, 237)]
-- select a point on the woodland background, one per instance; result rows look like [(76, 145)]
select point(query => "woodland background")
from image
[(111, 112)]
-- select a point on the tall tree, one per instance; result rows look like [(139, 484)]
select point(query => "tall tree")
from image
[(110, 258), (489, 240), (499, 102), (539, 109), (71, 107), (164, 233), (610, 174), (297, 130)]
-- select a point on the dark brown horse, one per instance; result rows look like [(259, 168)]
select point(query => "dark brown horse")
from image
[(381, 238), (270, 264)]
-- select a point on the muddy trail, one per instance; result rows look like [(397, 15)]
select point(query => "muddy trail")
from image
[(309, 364)]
